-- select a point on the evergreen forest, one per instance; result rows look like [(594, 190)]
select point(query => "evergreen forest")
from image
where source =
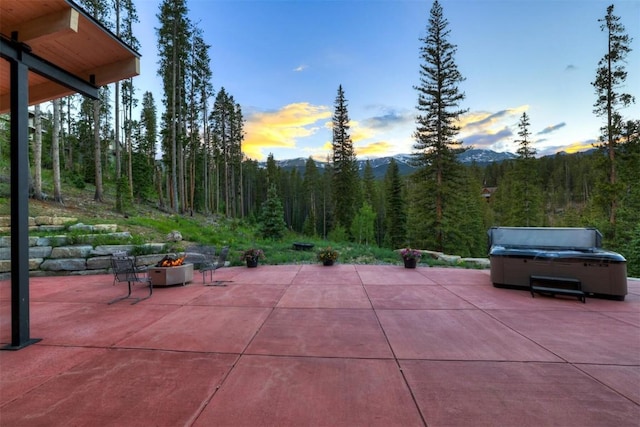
[(188, 159)]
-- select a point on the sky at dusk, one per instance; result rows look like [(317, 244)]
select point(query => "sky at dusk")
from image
[(283, 61)]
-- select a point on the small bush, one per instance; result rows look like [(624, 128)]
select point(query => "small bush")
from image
[(338, 234)]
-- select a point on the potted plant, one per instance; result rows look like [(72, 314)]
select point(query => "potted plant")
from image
[(411, 257), (327, 255), (251, 256)]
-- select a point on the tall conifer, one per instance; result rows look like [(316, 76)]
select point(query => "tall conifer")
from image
[(395, 212), (610, 77), (173, 39), (345, 180), (435, 146)]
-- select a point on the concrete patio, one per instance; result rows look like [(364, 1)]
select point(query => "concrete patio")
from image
[(306, 345)]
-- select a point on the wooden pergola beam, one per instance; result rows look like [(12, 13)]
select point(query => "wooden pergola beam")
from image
[(53, 24)]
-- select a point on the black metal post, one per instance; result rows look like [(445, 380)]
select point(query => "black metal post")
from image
[(19, 206)]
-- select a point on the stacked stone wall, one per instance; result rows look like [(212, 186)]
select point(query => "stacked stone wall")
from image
[(54, 255)]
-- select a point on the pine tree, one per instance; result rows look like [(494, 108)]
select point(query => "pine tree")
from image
[(311, 188), (467, 230), (372, 195), (610, 77), (369, 191), (395, 212), (98, 9), (345, 179), (226, 124), (272, 223), (436, 148), (149, 128), (129, 17), (529, 205), (173, 40), (628, 226), (204, 153)]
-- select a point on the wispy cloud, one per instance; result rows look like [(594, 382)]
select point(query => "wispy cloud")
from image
[(282, 128), (550, 129), (490, 139), (300, 68), (482, 119), (389, 120), (490, 130)]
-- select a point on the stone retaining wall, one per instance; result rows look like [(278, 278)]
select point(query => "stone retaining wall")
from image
[(75, 259), (53, 255), (456, 259)]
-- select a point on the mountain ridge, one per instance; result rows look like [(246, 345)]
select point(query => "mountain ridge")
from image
[(379, 165)]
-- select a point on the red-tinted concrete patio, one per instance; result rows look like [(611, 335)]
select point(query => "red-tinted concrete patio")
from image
[(321, 346)]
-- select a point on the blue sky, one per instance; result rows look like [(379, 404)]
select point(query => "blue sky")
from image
[(283, 62)]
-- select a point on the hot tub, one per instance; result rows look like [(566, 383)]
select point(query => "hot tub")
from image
[(518, 254)]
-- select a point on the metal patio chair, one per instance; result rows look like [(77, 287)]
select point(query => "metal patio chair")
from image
[(200, 256), (219, 263), (118, 254), (125, 270)]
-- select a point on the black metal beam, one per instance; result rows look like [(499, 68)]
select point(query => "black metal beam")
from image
[(16, 51)]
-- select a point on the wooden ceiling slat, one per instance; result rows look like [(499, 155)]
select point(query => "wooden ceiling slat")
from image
[(59, 32)]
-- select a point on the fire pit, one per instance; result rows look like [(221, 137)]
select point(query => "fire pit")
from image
[(171, 271)]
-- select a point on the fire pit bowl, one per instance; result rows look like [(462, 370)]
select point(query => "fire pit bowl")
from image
[(171, 271)]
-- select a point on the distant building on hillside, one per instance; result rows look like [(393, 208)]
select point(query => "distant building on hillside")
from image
[(487, 192)]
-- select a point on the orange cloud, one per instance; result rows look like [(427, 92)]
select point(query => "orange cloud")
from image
[(375, 149), (281, 128), (357, 131), (578, 146)]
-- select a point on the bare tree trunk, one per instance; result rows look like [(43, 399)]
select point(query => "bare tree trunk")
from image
[(241, 189), (68, 153), (119, 195), (611, 143), (217, 189), (192, 183), (129, 120), (173, 118), (99, 194), (55, 153), (226, 179), (117, 133), (159, 182), (37, 154), (181, 175)]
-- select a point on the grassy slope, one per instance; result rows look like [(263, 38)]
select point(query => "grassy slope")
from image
[(147, 223)]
